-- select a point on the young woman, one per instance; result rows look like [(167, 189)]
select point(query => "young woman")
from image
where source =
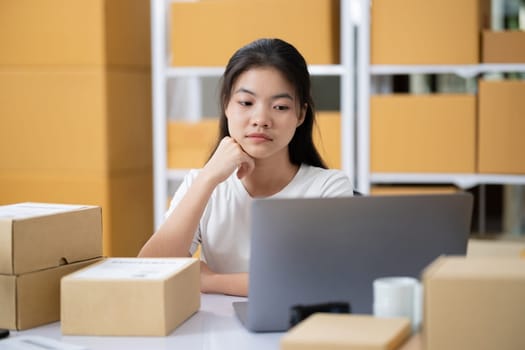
[(265, 149)]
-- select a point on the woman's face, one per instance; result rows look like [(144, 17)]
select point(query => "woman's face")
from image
[(263, 112)]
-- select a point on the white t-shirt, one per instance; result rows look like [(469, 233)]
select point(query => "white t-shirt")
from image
[(223, 230)]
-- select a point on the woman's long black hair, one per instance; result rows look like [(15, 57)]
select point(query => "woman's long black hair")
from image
[(284, 57)]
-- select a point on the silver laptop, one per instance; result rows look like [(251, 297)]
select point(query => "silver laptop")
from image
[(320, 250)]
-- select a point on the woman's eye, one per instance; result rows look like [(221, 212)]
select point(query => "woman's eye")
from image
[(245, 103), (281, 108)]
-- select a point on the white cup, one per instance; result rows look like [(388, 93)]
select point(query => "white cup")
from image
[(398, 297)]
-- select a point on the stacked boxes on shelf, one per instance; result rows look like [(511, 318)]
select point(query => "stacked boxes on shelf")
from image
[(444, 133), (39, 244), (76, 109)]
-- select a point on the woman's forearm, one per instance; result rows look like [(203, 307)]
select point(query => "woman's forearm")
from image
[(175, 235), (230, 284)]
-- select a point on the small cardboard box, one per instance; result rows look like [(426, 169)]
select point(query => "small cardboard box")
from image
[(207, 33), (427, 32), (351, 332), (496, 248), (423, 133), (130, 297), (474, 304), (501, 125), (503, 47), (33, 299), (36, 236)]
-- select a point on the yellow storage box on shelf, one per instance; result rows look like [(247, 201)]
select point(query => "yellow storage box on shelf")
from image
[(80, 32), (191, 143), (327, 137), (427, 32), (503, 47), (411, 189), (501, 141), (423, 133), (208, 32)]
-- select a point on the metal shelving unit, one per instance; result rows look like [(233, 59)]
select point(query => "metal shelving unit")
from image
[(162, 72), (364, 82), (367, 71)]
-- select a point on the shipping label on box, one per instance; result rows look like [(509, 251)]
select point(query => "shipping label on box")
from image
[(33, 299), (130, 297), (36, 236), (474, 303)]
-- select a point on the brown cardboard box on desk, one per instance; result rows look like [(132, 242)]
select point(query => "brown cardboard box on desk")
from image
[(474, 304), (40, 243), (130, 297), (351, 332)]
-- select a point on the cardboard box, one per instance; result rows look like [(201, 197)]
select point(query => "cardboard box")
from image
[(207, 33), (503, 47), (351, 332), (474, 304), (327, 137), (423, 133), (429, 32), (496, 248), (82, 32), (36, 236), (33, 299), (86, 120), (191, 143), (407, 190), (501, 125), (130, 297)]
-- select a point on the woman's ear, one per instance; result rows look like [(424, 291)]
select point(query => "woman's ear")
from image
[(302, 115)]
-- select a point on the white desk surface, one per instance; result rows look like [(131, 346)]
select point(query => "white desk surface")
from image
[(214, 326)]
